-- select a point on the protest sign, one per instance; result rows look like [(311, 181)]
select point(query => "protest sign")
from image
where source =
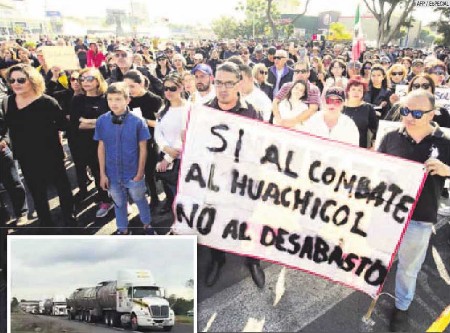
[(442, 95), (63, 57), (309, 203)]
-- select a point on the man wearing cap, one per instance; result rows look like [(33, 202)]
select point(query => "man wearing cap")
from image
[(269, 61), (258, 55), (280, 73), (124, 62), (417, 68), (227, 82), (302, 71), (385, 62), (419, 140), (203, 82)]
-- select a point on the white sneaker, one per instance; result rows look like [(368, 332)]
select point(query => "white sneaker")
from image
[(444, 211)]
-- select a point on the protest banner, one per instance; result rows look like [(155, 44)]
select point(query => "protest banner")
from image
[(63, 57), (442, 95), (309, 203)]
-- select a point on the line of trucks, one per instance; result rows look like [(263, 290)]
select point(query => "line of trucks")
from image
[(132, 301)]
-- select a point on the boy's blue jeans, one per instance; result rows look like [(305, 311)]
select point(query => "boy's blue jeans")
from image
[(119, 193)]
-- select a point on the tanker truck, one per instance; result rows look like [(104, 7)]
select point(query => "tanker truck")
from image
[(55, 306), (133, 300)]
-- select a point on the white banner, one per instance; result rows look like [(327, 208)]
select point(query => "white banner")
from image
[(442, 95), (63, 57), (328, 208)]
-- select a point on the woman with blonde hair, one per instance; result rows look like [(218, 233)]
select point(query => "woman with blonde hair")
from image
[(179, 63), (85, 110), (260, 73), (33, 120)]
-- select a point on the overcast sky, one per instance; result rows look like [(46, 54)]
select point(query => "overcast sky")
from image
[(186, 11), (42, 268)]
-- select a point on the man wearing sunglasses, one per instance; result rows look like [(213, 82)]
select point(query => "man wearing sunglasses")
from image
[(438, 72), (280, 73), (422, 141), (124, 62), (301, 71)]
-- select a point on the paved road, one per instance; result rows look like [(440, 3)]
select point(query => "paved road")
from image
[(308, 304), (311, 304), (62, 324)]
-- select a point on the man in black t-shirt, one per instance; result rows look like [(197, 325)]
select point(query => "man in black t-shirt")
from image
[(422, 141)]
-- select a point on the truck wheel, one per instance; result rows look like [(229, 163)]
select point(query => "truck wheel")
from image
[(111, 319), (89, 317), (105, 318), (134, 322), (167, 328)]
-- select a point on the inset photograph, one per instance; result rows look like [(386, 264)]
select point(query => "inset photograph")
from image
[(102, 283)]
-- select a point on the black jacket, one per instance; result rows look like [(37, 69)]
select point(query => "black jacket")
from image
[(156, 85), (286, 77)]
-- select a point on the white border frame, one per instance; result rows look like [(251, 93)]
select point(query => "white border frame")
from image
[(98, 237)]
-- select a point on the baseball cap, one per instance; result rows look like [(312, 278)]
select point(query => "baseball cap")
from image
[(272, 50), (417, 62), (202, 68), (385, 59), (335, 92), (122, 48)]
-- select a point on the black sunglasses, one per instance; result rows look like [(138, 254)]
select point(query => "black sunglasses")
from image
[(172, 89), (74, 79), (303, 71), (278, 57), (20, 80), (438, 72), (263, 72), (419, 85), (417, 114), (396, 73), (88, 78)]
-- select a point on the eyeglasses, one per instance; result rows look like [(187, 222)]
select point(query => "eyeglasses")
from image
[(160, 59), (278, 57), (419, 85), (74, 79), (227, 84), (416, 114), (303, 71), (438, 72), (197, 59), (397, 73), (89, 78), (245, 52), (120, 55), (172, 89), (368, 68), (334, 101), (20, 80)]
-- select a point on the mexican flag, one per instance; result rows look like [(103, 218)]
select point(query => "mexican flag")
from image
[(358, 39)]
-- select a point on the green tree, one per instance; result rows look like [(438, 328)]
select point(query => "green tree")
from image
[(338, 32), (382, 10), (14, 303), (272, 11), (225, 27), (443, 26)]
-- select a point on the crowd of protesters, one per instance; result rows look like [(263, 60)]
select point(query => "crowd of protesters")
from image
[(310, 86)]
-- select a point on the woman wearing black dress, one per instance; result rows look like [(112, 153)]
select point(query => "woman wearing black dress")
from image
[(146, 104), (33, 120)]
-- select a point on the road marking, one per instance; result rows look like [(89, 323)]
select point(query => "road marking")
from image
[(280, 286), (440, 265), (254, 325), (442, 322), (210, 321)]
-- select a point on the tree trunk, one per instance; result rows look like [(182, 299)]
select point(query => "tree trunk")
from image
[(269, 18)]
